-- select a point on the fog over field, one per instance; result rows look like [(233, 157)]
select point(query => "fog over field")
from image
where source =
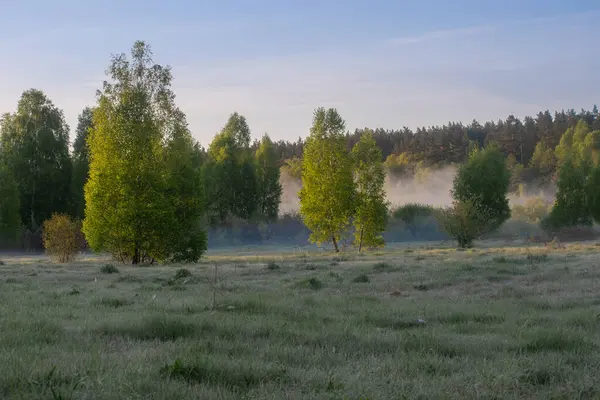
[(432, 188)]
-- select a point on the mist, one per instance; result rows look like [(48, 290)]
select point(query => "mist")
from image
[(290, 203), (432, 188)]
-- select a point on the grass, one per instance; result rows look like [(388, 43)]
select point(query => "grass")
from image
[(500, 322), (362, 278)]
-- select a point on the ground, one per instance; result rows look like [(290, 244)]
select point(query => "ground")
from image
[(407, 322)]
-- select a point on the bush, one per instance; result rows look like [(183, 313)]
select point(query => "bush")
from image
[(272, 265), (61, 237), (312, 283), (484, 181), (465, 221), (410, 213), (381, 266), (572, 203), (361, 279), (182, 273), (109, 269), (480, 197)]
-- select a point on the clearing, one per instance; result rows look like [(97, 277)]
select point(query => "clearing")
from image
[(503, 322)]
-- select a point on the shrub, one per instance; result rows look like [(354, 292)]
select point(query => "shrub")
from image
[(182, 273), (61, 237), (410, 213), (484, 180), (572, 203), (533, 210), (480, 192), (381, 266), (109, 269), (361, 279), (272, 265), (311, 283), (465, 221)]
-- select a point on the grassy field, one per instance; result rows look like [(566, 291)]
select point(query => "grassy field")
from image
[(496, 322)]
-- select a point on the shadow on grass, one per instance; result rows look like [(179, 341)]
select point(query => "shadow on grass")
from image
[(311, 283), (465, 318), (112, 302), (557, 341), (393, 323), (236, 378), (40, 332), (155, 328)]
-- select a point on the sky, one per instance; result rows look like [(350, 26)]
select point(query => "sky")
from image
[(380, 63)]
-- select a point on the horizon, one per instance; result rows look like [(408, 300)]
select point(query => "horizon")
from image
[(382, 65)]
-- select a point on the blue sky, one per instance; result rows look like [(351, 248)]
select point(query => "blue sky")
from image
[(380, 63)]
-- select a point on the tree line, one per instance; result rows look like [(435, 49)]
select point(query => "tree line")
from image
[(144, 190), (529, 144), (139, 184)]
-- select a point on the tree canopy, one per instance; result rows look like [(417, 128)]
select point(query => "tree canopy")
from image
[(371, 206), (327, 194), (143, 194), (35, 146)]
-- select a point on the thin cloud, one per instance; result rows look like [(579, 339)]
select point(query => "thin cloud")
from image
[(386, 83), (441, 34)]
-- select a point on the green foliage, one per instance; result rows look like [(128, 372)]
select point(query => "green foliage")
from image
[(564, 150), (230, 173), (591, 147), (10, 218), (185, 184), (465, 221), (109, 269), (400, 165), (593, 193), (310, 283), (245, 201), (484, 179), (293, 167), (580, 145), (60, 235), (543, 162), (371, 207), (35, 145), (327, 194), (267, 174), (144, 192), (182, 273), (480, 197), (81, 161), (571, 207), (516, 173), (238, 130), (363, 278), (533, 210), (410, 214)]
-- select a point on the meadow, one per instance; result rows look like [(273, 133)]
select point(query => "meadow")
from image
[(419, 321)]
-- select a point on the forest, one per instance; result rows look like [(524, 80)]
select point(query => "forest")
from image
[(133, 155)]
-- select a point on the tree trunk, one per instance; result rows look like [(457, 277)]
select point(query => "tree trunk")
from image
[(136, 255), (335, 244), (362, 231)]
